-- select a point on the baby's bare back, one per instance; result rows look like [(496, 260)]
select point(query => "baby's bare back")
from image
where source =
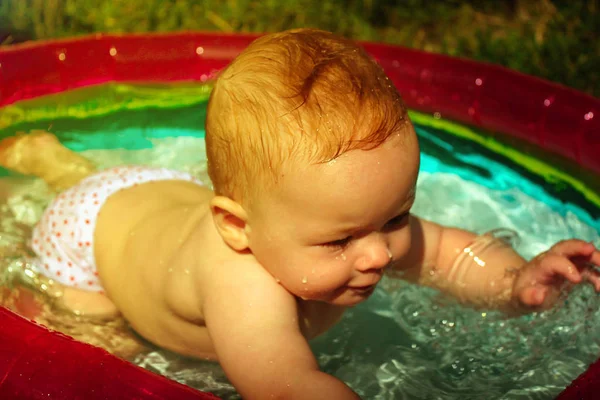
[(158, 251), (151, 243)]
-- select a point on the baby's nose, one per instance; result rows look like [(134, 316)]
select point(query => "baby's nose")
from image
[(377, 255)]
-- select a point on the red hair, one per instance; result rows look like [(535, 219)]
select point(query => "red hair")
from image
[(303, 95)]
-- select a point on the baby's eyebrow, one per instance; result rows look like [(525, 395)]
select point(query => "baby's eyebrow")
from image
[(410, 199), (404, 208)]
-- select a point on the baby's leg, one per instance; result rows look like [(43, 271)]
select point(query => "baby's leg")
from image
[(76, 301), (40, 153), (85, 303)]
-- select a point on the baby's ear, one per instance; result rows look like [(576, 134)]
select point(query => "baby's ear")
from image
[(230, 219)]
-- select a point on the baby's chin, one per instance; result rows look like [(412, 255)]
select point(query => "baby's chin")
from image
[(352, 297)]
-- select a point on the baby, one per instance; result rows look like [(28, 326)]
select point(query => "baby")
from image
[(314, 164)]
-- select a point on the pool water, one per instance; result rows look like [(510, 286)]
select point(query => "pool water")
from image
[(406, 341)]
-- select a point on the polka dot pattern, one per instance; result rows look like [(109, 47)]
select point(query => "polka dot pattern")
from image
[(63, 238)]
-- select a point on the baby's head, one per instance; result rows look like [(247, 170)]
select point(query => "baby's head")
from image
[(298, 97), (314, 164)]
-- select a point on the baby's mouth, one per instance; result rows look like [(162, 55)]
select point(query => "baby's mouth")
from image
[(364, 291), (365, 288)]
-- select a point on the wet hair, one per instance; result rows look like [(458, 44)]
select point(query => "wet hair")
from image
[(300, 95)]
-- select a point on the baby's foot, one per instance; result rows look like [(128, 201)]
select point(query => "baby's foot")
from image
[(21, 300), (41, 154), (17, 151), (8, 158)]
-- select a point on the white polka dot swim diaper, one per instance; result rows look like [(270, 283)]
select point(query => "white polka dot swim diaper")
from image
[(63, 238)]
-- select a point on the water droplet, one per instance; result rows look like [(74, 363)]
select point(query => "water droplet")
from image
[(304, 279), (343, 255)]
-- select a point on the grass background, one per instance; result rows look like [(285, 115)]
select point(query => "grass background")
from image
[(553, 39)]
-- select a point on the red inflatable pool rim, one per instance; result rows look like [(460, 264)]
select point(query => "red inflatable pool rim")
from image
[(36, 363)]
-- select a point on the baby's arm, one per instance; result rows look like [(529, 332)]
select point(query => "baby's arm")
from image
[(490, 273), (253, 323)]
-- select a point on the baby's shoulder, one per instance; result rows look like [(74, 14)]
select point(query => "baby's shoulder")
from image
[(221, 264), (224, 270)]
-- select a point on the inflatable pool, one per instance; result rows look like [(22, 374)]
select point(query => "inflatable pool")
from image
[(527, 112)]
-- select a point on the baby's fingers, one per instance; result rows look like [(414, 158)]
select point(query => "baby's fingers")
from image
[(594, 258), (592, 275), (574, 248), (562, 266), (533, 296)]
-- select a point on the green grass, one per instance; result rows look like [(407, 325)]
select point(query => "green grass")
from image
[(556, 40)]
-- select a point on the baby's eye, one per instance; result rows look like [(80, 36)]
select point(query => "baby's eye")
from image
[(338, 243), (397, 221)]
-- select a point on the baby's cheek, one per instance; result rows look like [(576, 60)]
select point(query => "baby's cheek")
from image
[(400, 242), (324, 279)]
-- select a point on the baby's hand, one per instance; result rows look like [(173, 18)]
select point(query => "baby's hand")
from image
[(539, 281)]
